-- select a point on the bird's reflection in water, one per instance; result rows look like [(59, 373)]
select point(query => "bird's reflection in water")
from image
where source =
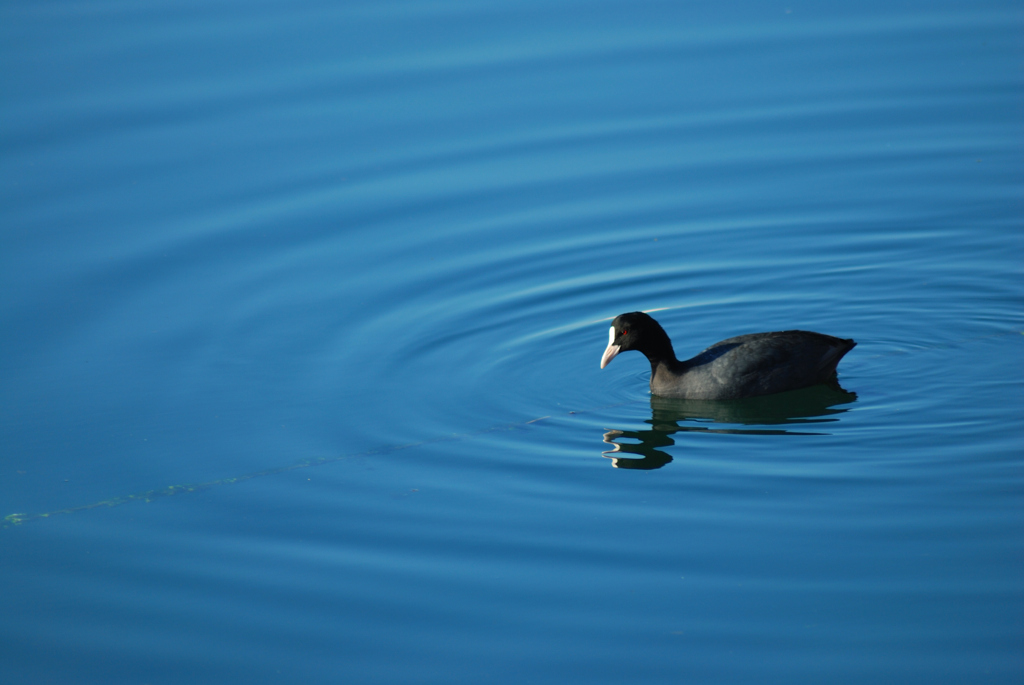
[(774, 414)]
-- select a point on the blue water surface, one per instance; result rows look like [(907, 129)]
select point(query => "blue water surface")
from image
[(303, 306)]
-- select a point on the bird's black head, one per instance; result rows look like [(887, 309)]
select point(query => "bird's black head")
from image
[(638, 331)]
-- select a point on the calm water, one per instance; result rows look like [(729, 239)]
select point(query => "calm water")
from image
[(303, 305)]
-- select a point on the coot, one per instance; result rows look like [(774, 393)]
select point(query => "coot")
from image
[(744, 366)]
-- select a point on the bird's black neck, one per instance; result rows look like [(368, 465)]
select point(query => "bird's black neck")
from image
[(657, 347)]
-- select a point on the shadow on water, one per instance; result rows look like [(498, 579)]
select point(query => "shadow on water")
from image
[(815, 405), (798, 407)]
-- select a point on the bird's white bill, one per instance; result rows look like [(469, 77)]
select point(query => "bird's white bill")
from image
[(611, 350)]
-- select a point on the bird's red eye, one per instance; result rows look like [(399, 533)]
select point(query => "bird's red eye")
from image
[(625, 332)]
